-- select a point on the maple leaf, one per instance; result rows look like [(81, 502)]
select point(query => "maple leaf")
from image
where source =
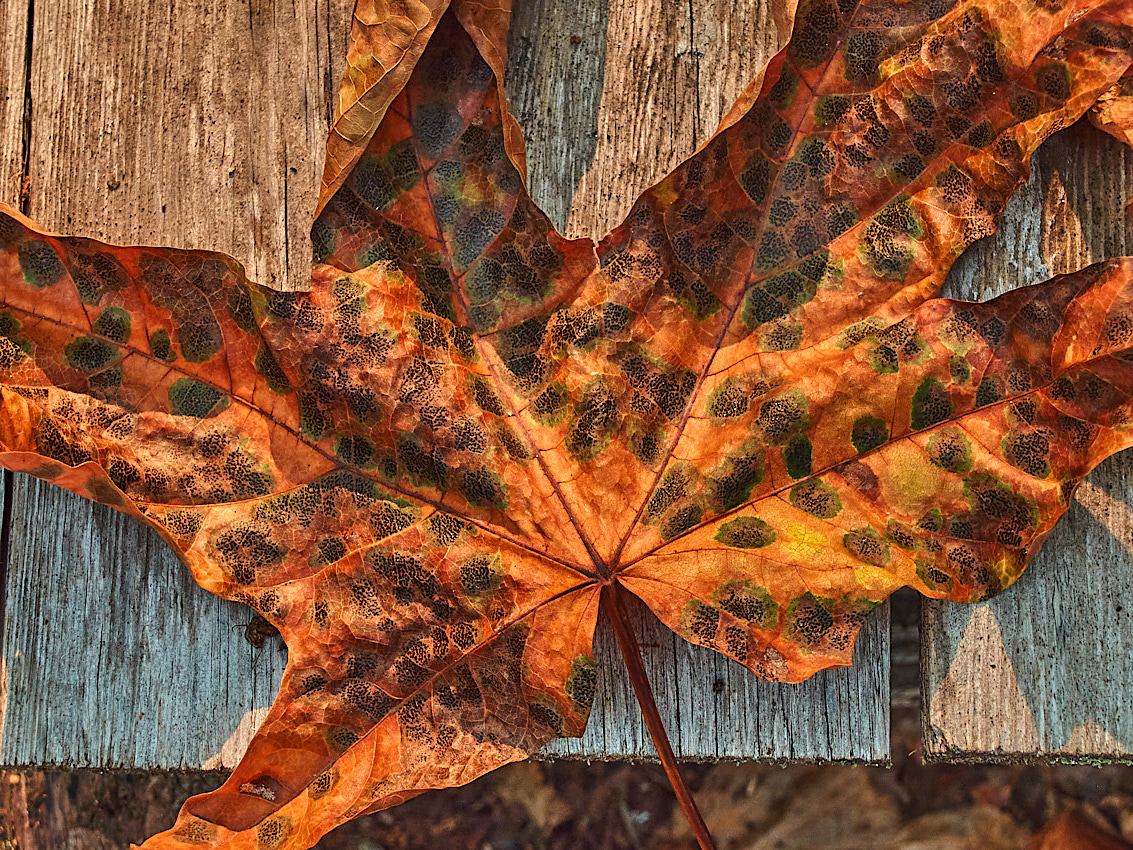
[(742, 406)]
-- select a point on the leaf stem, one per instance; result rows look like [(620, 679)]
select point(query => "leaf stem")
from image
[(631, 652)]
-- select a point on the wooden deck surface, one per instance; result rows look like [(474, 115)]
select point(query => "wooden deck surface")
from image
[(201, 124)]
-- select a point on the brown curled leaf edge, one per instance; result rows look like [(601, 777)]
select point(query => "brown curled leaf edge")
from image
[(744, 405)]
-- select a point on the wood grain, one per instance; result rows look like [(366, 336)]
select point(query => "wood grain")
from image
[(1043, 671), (174, 133), (169, 131), (672, 72), (13, 122), (715, 709), (13, 80)]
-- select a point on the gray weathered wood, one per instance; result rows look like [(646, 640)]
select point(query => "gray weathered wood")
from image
[(672, 70), (1046, 669), (182, 135), (715, 709), (169, 130), (13, 78)]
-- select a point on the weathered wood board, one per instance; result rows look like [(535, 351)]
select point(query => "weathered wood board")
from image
[(1045, 671), (166, 131), (202, 125), (13, 83)]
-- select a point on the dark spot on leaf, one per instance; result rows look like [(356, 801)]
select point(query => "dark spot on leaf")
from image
[(746, 533)]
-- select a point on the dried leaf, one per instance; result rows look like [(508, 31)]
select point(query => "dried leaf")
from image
[(386, 40), (1072, 830), (742, 405), (1113, 112)]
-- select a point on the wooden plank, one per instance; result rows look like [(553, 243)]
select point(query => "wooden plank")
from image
[(194, 126), (169, 682), (671, 73), (1043, 672), (13, 79), (667, 73), (715, 709)]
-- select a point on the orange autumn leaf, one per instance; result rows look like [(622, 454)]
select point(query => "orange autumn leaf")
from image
[(744, 405), (1113, 112)]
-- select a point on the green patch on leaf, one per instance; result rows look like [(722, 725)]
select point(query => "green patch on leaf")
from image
[(731, 483), (950, 449), (791, 288), (240, 308), (933, 578), (887, 242), (902, 536), (809, 620), (989, 391), (199, 338), (748, 602), (960, 370), (681, 519), (760, 307), (484, 488), (933, 520), (268, 367), (355, 450), (1028, 450), (372, 184), (190, 397), (915, 350), (691, 292), (797, 456), (783, 416), (14, 347), (313, 422), (9, 324), (424, 466), (869, 433), (699, 622), (323, 239), (674, 486), (481, 576), (515, 446), (884, 360), (746, 532), (867, 328), (729, 400), (816, 498), (829, 109), (161, 346), (784, 89), (89, 354), (1053, 79), (594, 421), (867, 546), (40, 264), (582, 683), (114, 324), (931, 404), (107, 379)]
